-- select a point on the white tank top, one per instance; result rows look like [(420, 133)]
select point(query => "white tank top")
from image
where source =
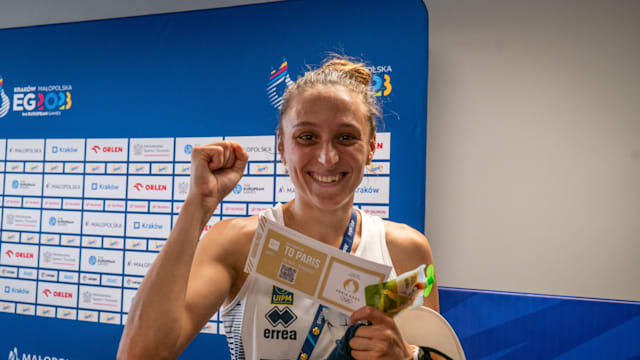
[(267, 323)]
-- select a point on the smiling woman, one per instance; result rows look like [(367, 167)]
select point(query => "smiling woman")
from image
[(326, 137)]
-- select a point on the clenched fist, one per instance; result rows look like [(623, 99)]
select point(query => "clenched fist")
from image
[(215, 170)]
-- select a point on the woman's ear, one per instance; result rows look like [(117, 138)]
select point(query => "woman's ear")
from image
[(372, 149), (281, 149)]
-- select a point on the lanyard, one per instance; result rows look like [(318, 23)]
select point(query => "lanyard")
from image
[(318, 320)]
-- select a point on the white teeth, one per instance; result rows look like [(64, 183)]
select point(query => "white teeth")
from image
[(327, 179)]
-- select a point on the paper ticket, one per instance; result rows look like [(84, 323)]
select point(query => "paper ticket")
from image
[(298, 263)]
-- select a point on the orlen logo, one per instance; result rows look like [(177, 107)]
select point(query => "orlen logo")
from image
[(19, 254), (107, 149), (60, 294), (150, 187)]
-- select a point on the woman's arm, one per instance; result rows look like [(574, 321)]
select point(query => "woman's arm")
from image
[(188, 280), (408, 249)]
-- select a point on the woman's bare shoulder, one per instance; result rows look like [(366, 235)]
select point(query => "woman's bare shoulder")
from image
[(409, 249), (407, 246), (228, 241)]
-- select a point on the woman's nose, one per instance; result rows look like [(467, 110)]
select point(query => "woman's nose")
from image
[(328, 155)]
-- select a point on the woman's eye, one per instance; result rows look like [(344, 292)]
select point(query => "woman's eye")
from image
[(347, 137), (305, 137)]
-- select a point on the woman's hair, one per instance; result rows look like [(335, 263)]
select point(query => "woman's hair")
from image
[(337, 71)]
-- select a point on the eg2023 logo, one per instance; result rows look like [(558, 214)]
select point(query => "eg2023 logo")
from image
[(50, 100), (279, 81), (381, 79)]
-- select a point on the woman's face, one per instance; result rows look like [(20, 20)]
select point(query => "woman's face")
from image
[(325, 142)]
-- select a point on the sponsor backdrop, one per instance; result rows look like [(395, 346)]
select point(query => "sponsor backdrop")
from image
[(97, 122)]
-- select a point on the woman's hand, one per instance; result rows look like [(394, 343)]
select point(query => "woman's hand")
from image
[(380, 340), (215, 170)]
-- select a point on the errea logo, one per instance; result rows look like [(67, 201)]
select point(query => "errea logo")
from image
[(284, 317), (280, 317)]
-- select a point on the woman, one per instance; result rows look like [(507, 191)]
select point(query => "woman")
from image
[(326, 136)]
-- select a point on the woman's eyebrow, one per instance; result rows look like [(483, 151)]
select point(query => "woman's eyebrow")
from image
[(309, 123), (304, 123)]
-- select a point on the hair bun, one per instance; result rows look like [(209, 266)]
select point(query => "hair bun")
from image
[(355, 71)]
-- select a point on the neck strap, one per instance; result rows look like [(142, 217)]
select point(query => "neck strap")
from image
[(318, 320)]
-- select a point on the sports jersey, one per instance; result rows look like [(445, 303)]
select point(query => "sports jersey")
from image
[(268, 323)]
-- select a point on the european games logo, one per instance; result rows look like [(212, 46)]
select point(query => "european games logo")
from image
[(4, 100), (381, 79), (279, 81), (42, 100)]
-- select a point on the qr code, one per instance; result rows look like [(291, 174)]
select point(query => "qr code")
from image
[(287, 273)]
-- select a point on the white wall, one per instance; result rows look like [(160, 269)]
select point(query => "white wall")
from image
[(533, 146), (16, 13), (533, 162)]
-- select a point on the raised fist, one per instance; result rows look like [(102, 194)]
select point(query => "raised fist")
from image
[(215, 170)]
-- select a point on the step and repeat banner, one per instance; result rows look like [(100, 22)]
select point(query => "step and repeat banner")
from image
[(97, 123)]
